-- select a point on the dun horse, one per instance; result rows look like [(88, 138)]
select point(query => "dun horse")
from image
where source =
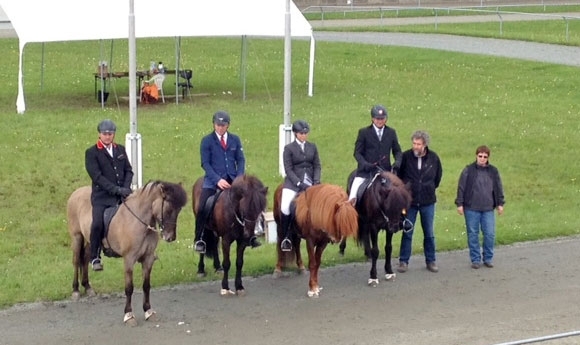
[(383, 205), (233, 219), (323, 215), (132, 235)]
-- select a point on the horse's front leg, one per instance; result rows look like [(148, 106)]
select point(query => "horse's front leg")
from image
[(389, 274), (217, 266), (314, 273), (342, 247), (147, 266), (201, 266), (225, 291), (312, 281), (240, 248), (374, 251), (129, 318)]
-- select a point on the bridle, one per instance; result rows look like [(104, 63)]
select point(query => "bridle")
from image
[(240, 219), (159, 222)]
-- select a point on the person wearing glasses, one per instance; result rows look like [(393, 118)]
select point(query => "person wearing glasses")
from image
[(111, 174), (479, 193), (421, 168)]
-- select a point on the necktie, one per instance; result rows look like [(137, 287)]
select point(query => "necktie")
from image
[(223, 142), (380, 133)]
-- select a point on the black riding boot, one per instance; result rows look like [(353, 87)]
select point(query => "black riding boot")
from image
[(97, 237), (286, 244), (200, 219)]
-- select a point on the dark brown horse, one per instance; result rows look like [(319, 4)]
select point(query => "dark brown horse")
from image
[(233, 219), (383, 205), (323, 215), (132, 234)]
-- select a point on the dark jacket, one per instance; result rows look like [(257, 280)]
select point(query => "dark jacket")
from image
[(219, 163), (297, 163), (107, 173), (468, 196), (371, 153), (423, 182)]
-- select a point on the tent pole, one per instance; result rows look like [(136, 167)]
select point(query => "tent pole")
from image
[(133, 139), (287, 132)]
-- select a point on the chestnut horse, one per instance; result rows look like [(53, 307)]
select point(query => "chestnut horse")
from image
[(234, 218), (323, 215), (132, 234), (383, 205)]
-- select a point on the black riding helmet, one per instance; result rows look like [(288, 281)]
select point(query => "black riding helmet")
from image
[(379, 112), (300, 126), (107, 126)]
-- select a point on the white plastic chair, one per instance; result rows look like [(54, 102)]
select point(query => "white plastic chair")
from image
[(158, 80)]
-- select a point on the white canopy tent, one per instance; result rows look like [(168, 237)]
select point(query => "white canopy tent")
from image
[(70, 20)]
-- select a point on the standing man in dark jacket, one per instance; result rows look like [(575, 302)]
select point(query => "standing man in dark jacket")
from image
[(421, 168), (373, 148), (222, 159), (111, 175), (302, 168), (479, 192)]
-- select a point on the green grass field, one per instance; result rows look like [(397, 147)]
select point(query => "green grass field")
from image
[(526, 112)]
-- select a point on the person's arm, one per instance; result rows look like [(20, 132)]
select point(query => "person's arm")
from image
[(316, 166), (461, 191), (128, 172), (396, 151), (287, 159), (94, 170), (240, 158), (205, 154), (359, 150), (439, 171)]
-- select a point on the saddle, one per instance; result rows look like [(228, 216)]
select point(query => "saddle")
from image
[(209, 205), (107, 217)]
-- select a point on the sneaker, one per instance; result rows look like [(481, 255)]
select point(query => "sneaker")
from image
[(475, 265), (97, 265), (403, 267), (488, 264), (432, 267), (286, 245), (200, 247), (254, 243)]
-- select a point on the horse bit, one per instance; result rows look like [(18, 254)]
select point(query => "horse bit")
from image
[(149, 227)]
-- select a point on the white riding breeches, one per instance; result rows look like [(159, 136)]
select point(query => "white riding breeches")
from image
[(287, 197), (355, 186)]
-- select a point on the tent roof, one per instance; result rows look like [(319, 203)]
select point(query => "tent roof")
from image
[(70, 20)]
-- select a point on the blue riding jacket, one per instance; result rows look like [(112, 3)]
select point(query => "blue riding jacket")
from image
[(219, 163)]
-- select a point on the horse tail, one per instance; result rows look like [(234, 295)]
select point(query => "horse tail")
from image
[(211, 244), (346, 218)]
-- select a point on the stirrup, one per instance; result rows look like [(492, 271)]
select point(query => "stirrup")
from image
[(286, 245), (200, 247)]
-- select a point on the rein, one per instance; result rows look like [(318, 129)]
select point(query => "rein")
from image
[(385, 217), (240, 219), (149, 227)]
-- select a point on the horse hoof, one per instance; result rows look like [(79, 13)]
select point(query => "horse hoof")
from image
[(227, 292), (150, 315), (76, 296), (313, 294), (201, 274), (390, 276), (277, 274), (130, 320), (373, 282), (90, 292), (301, 270), (241, 292)]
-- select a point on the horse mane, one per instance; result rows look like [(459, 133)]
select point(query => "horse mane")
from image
[(174, 193), (250, 187), (326, 207), (399, 193)]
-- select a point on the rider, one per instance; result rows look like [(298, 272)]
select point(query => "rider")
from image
[(373, 147), (222, 159), (111, 174), (302, 167)]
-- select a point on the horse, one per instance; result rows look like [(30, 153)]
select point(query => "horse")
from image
[(132, 234), (323, 215), (233, 218), (383, 205)]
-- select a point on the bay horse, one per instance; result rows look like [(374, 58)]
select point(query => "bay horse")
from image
[(323, 215), (233, 219), (383, 205), (132, 234)]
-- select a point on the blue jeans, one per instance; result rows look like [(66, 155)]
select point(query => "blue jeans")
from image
[(474, 220), (427, 213)]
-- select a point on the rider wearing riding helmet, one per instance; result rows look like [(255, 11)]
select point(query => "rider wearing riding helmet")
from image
[(373, 148), (111, 173), (302, 168)]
